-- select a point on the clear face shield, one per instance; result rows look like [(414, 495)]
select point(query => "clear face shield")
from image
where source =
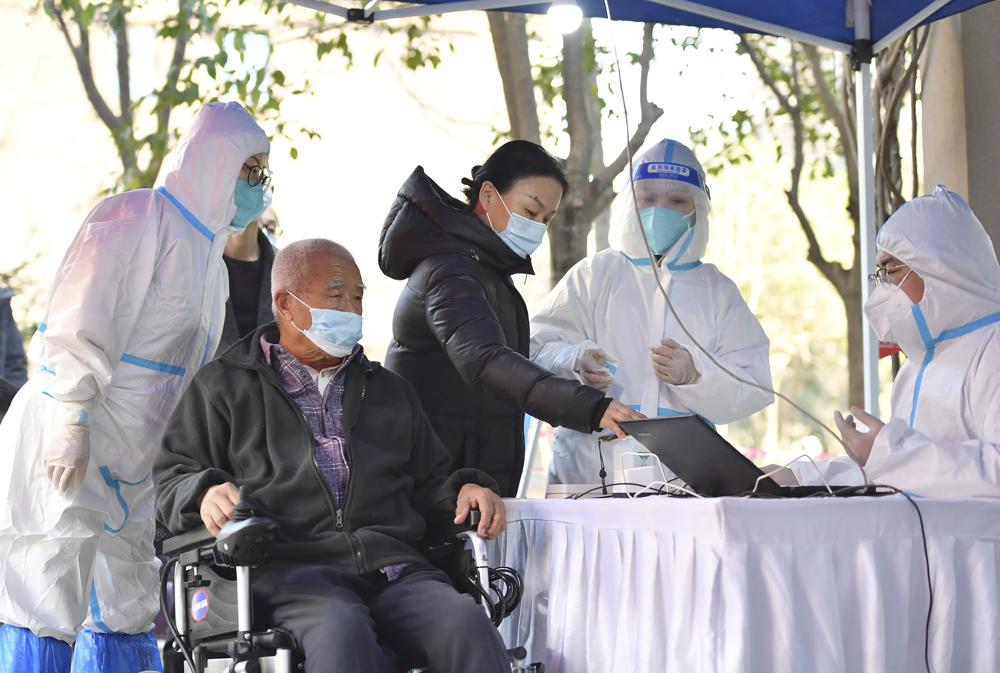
[(670, 214)]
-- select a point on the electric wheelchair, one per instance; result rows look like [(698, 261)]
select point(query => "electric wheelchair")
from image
[(210, 615)]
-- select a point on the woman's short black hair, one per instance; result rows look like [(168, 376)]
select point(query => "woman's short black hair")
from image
[(513, 161)]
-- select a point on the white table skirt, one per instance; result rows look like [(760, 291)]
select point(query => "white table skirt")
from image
[(754, 586)]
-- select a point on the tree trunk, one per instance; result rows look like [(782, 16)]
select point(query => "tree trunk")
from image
[(855, 345), (510, 43), (568, 233), (568, 237), (602, 229)]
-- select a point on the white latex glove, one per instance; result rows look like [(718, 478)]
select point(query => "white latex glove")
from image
[(673, 363), (860, 443), (67, 455), (592, 367)]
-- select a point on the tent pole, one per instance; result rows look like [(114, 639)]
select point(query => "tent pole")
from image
[(861, 61), (321, 6), (443, 8)]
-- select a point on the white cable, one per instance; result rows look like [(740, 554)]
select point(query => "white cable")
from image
[(683, 489), (656, 269), (785, 467), (663, 482)]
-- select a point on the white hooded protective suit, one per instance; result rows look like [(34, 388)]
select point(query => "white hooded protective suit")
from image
[(944, 435), (136, 307), (611, 301)]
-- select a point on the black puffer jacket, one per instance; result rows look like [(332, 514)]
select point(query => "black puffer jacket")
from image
[(460, 334)]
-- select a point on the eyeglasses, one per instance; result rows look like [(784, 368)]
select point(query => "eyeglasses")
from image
[(257, 175), (882, 273)]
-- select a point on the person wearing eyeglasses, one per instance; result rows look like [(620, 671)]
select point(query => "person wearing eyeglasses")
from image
[(937, 295), (249, 258), (136, 307)]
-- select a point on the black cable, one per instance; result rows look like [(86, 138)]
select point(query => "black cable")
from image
[(168, 614), (506, 584), (659, 490), (839, 492), (511, 592), (930, 583), (603, 473)]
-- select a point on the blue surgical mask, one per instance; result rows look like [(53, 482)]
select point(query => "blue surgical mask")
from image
[(249, 203), (336, 333), (664, 227), (522, 235)]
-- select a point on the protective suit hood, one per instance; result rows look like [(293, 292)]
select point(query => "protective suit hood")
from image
[(425, 220), (942, 240), (943, 439), (669, 167), (136, 307), (207, 162)]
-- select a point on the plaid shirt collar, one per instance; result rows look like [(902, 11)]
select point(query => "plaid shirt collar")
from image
[(295, 376)]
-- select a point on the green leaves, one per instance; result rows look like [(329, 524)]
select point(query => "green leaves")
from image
[(239, 67), (337, 44)]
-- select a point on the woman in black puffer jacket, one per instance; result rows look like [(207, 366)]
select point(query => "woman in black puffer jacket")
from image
[(460, 331)]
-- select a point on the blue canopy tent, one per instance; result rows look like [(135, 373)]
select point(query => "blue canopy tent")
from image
[(861, 28)]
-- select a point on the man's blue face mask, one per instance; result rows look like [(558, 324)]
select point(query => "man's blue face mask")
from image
[(334, 332), (664, 227), (249, 203)]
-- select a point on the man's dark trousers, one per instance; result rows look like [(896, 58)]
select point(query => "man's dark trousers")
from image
[(346, 623)]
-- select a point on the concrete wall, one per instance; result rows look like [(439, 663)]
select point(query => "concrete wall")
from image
[(981, 56), (961, 111)]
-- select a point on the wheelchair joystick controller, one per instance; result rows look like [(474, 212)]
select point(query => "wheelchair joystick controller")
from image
[(246, 539), (243, 543)]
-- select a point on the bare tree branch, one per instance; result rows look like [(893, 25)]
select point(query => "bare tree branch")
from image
[(120, 26), (769, 82), (815, 254), (81, 55), (886, 65), (902, 85), (847, 97), (649, 114), (835, 112), (832, 272), (170, 85)]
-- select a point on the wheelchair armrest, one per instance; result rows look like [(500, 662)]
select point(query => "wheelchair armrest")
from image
[(456, 531), (178, 544)]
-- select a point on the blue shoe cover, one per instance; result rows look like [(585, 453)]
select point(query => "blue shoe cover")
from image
[(115, 653), (21, 651)]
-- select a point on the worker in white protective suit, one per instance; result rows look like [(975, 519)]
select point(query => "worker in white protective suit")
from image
[(607, 322), (136, 307), (937, 295)]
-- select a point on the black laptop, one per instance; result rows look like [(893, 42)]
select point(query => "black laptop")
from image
[(710, 466)]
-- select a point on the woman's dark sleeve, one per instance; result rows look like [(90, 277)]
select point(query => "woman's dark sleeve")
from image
[(465, 324)]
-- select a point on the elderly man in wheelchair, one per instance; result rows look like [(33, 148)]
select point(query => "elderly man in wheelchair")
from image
[(318, 469)]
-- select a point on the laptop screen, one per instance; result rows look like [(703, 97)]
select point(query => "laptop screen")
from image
[(700, 456)]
